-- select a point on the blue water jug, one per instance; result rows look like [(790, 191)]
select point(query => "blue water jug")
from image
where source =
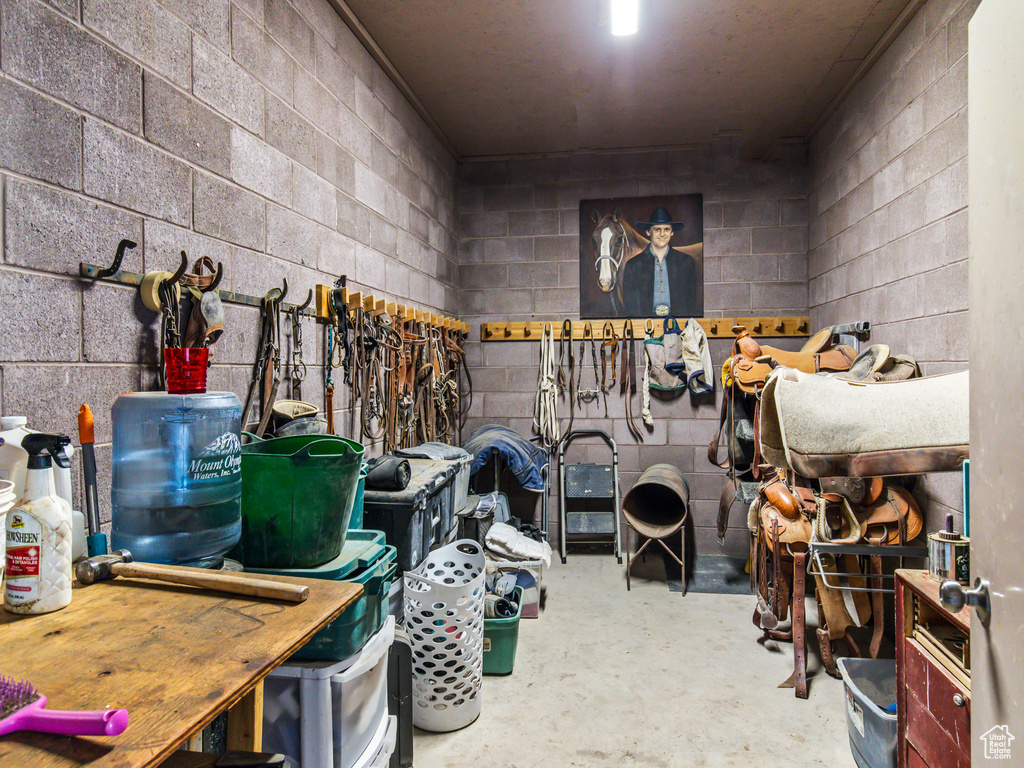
[(177, 481)]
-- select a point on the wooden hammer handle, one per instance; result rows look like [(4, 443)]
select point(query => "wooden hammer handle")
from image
[(236, 583)]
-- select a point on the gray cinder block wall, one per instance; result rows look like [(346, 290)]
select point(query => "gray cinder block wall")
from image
[(259, 133), (886, 241), (888, 207), (519, 260)]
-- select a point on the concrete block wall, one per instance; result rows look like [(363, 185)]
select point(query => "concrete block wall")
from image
[(258, 132), (888, 207), (519, 260)]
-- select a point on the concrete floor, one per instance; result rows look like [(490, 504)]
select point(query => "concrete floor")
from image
[(645, 678)]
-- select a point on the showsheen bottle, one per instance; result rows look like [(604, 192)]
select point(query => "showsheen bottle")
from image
[(38, 534)]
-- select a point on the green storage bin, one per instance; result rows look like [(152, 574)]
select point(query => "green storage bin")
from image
[(500, 639), (297, 497), (365, 560), (356, 521)]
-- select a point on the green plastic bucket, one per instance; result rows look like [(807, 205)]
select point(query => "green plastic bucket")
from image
[(344, 636), (356, 521), (365, 560), (500, 639), (297, 497)]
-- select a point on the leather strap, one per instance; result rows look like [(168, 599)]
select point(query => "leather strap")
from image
[(755, 465), (725, 502), (731, 486), (759, 575), (264, 370), (465, 400), (828, 661), (337, 338), (724, 414), (609, 339), (198, 278), (799, 624), (877, 609), (629, 378), (396, 356)]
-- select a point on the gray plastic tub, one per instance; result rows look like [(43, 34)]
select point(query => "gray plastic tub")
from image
[(870, 688)]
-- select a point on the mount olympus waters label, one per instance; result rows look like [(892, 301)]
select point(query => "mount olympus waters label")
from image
[(221, 458)]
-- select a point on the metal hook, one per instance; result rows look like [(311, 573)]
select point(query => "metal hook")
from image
[(181, 270), (303, 305), (277, 294), (118, 258)]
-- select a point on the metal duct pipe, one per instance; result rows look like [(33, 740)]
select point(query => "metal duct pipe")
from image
[(657, 505)]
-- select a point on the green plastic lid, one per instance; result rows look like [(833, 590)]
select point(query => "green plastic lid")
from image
[(362, 549)]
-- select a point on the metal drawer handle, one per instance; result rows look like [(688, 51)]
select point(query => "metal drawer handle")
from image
[(959, 700)]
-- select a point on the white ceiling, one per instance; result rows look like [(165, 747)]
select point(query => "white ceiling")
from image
[(510, 77)]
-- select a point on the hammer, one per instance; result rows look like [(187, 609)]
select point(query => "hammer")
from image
[(120, 563)]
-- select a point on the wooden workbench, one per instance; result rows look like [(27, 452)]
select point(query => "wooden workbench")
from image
[(174, 657)]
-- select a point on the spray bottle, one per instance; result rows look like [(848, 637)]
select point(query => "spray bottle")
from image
[(38, 534)]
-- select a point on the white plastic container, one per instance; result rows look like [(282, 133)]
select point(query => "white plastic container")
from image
[(331, 714), (444, 615), (7, 499), (38, 541), (7, 495), (14, 458), (396, 603), (382, 757)]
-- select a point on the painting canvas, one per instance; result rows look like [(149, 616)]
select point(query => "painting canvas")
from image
[(642, 257)]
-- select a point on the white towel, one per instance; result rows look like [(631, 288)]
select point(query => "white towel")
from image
[(507, 541)]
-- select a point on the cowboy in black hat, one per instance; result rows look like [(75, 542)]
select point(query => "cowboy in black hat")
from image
[(660, 281)]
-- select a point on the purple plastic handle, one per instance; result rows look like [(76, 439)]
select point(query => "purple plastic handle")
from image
[(103, 722)]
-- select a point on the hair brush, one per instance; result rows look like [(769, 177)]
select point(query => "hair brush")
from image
[(22, 709)]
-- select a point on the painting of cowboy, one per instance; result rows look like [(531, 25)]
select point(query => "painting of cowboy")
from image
[(638, 260)]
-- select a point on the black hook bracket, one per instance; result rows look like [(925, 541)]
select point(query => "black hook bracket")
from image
[(114, 274), (115, 267), (277, 294), (179, 273)]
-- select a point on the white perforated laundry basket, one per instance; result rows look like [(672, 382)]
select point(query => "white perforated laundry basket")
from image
[(444, 614)]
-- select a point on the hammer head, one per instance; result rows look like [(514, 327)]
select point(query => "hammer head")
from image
[(99, 568)]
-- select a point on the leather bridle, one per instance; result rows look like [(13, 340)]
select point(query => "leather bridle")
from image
[(609, 339), (587, 395), (628, 385), (266, 369)]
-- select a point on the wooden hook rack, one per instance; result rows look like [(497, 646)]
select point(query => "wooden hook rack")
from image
[(714, 327), (374, 306)]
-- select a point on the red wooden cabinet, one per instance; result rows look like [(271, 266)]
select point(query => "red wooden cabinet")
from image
[(934, 677)]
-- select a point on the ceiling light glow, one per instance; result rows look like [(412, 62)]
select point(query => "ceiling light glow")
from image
[(625, 15)]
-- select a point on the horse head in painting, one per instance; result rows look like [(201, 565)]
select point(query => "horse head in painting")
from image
[(614, 242)]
